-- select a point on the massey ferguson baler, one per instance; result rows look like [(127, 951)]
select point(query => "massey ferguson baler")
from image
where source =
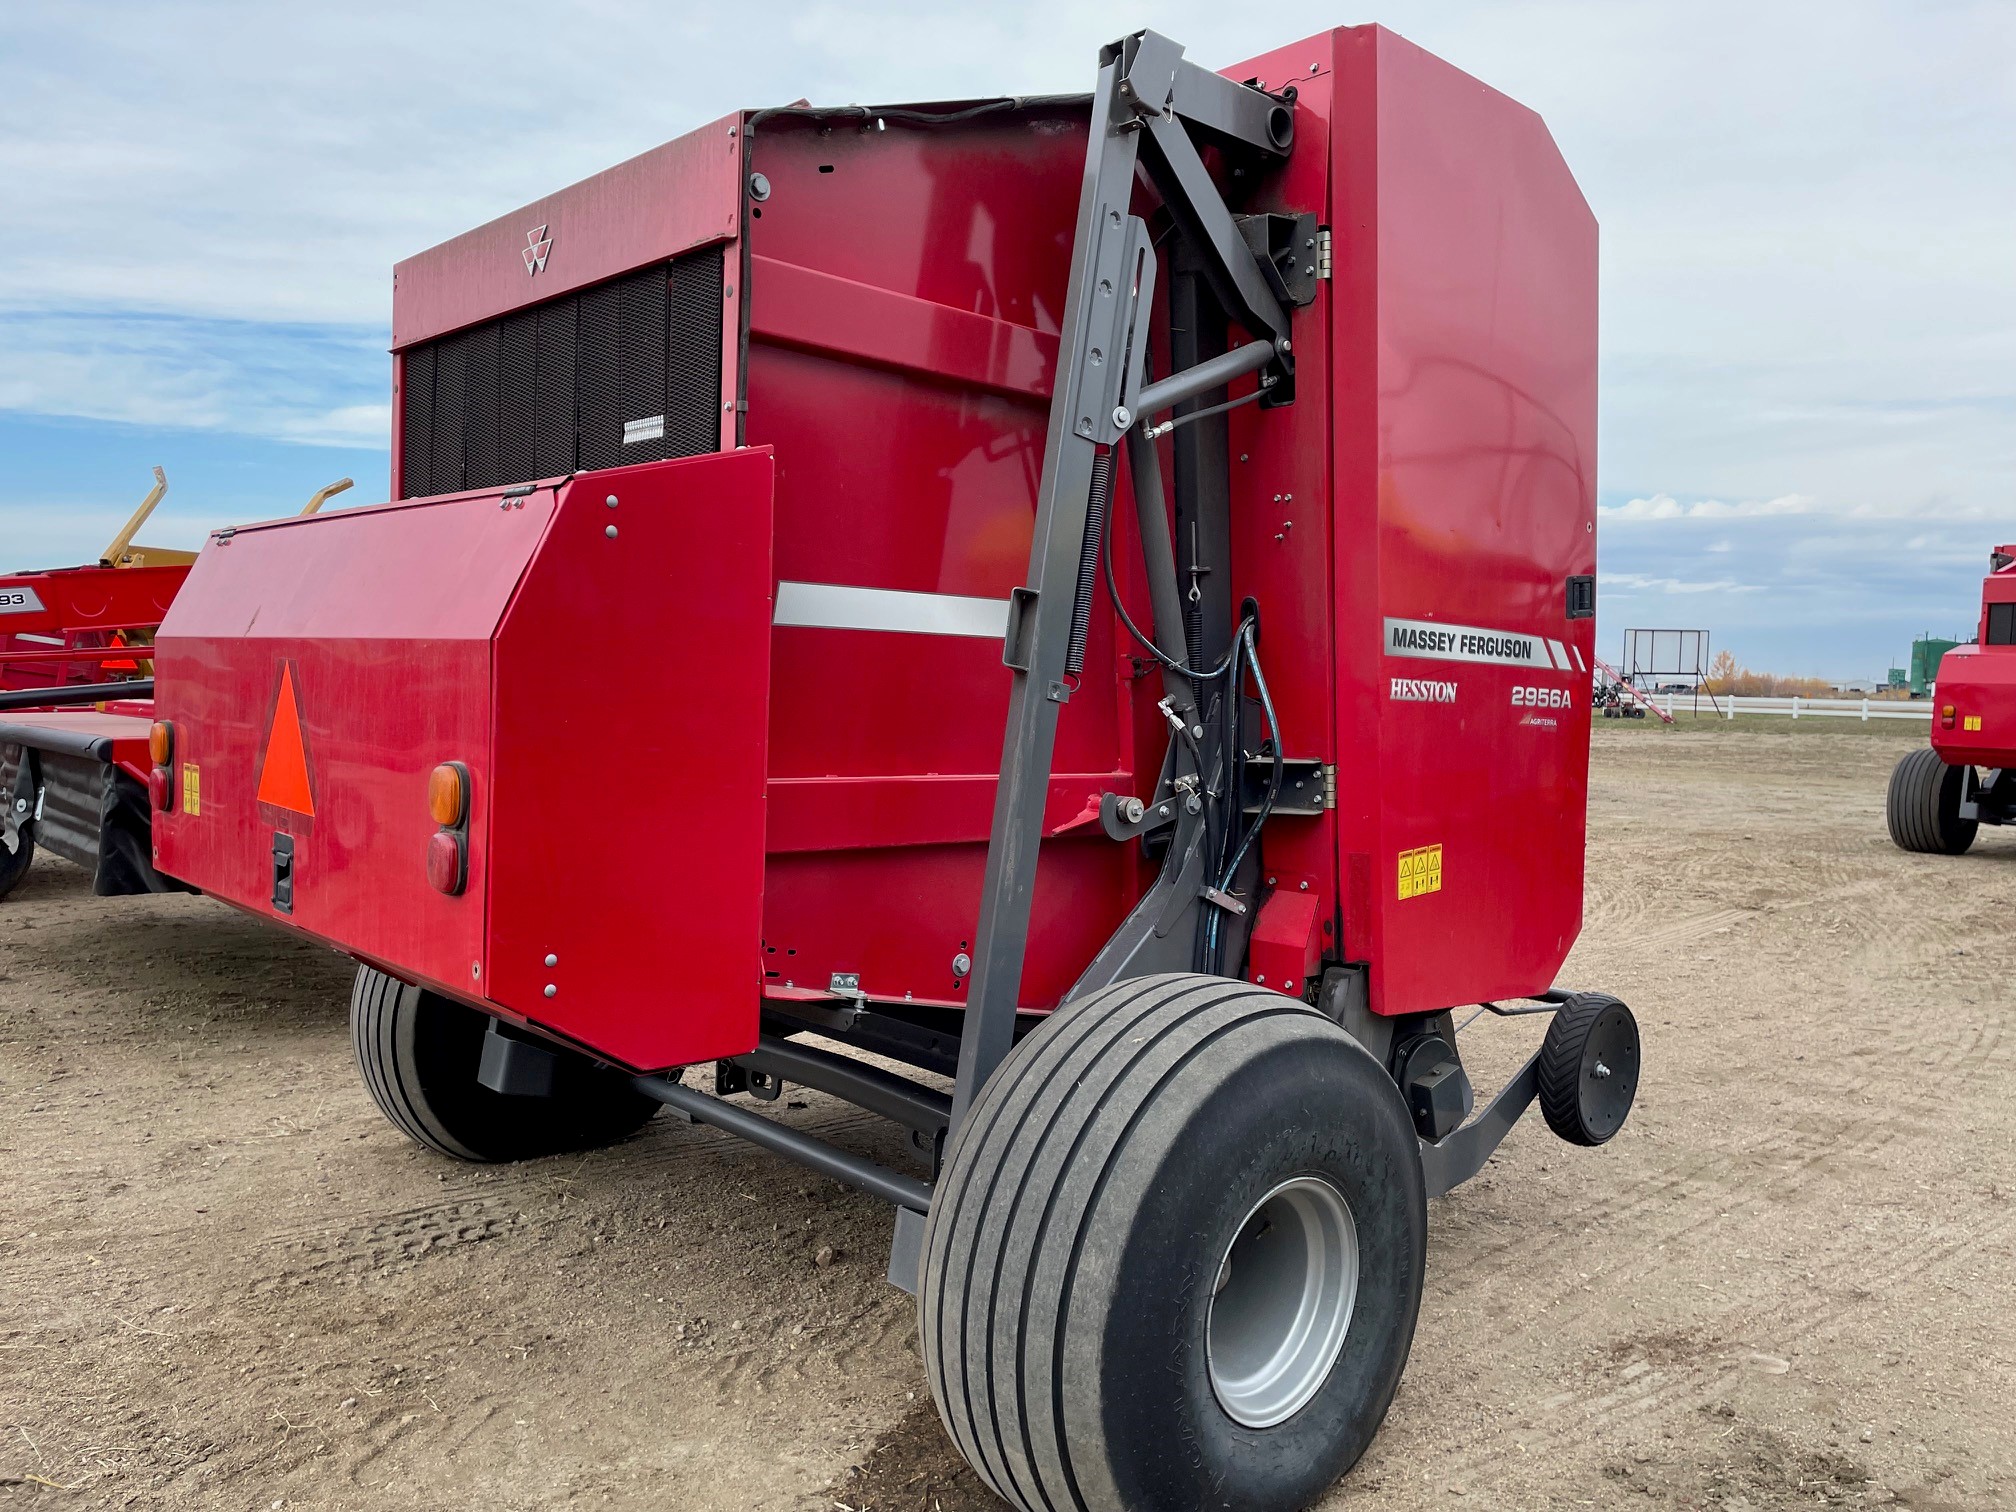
[(1087, 598), (1941, 794)]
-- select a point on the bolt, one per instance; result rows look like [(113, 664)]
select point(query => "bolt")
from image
[(552, 960), (1270, 881), (1304, 887), (551, 990), (1601, 1070), (1242, 456), (1122, 416), (1132, 810), (1260, 981), (609, 531), (961, 964), (503, 503), (1287, 345), (759, 187), (610, 501)]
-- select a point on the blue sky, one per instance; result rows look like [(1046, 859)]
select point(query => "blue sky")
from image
[(1809, 220)]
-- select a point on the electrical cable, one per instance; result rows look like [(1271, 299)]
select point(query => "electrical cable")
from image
[(1147, 644), (1158, 431)]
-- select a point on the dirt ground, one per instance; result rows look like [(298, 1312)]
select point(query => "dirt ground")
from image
[(226, 1282)]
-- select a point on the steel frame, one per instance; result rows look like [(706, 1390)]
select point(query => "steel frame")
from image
[(1146, 99)]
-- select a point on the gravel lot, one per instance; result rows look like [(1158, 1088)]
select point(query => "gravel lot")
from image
[(225, 1282)]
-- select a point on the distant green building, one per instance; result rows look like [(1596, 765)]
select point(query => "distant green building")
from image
[(1899, 678), (1925, 654)]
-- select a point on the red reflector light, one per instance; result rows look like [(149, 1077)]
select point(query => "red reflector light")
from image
[(161, 742), (447, 862), (1946, 716), (158, 791)]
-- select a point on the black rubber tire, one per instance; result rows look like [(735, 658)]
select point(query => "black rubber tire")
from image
[(1568, 1058), (419, 1052), (1077, 1231), (14, 863), (1923, 806)]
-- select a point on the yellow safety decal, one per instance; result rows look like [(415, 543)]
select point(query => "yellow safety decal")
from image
[(1420, 871), (192, 789), (1971, 722)]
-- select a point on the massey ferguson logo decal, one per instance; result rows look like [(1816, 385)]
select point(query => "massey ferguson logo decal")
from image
[(538, 247), (1414, 690)]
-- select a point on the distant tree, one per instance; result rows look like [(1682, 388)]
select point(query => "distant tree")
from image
[(1723, 672)]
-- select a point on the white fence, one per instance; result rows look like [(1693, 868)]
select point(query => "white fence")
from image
[(1802, 708)]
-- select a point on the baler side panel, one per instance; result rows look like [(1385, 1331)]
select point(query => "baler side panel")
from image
[(632, 689), (381, 621), (1466, 450), (905, 288)]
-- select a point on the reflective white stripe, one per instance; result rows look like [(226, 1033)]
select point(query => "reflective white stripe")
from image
[(1560, 654), (833, 606), (1580, 665)]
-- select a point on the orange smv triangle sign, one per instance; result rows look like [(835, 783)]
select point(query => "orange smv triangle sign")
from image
[(283, 779)]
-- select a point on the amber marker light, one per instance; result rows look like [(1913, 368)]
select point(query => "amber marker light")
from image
[(161, 742), (448, 793)]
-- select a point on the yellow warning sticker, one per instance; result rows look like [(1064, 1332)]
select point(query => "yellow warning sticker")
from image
[(1420, 871), (192, 789), (1971, 722)]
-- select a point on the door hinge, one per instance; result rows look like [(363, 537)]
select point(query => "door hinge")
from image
[(1329, 787), (1322, 252)]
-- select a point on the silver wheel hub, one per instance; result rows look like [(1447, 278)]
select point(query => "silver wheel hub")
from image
[(1286, 1288)]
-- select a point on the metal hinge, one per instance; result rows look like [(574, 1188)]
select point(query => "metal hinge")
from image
[(1322, 252), (1329, 787)]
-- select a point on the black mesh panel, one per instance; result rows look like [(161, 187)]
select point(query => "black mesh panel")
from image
[(549, 390), (517, 395), (553, 426), (641, 408), (451, 413), (601, 411), (693, 379), (416, 394)]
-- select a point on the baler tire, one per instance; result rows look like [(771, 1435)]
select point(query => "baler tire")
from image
[(1566, 1063), (1079, 1249), (1922, 807), (14, 864), (418, 1053)]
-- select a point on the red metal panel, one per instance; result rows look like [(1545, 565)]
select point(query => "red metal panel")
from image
[(1464, 317), (76, 607), (904, 292), (384, 617), (669, 200), (627, 832), (1979, 684)]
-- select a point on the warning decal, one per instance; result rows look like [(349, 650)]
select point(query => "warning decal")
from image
[(283, 776), (1420, 871), (192, 789)]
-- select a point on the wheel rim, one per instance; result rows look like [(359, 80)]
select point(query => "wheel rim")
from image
[(1286, 1287), (1609, 1072)]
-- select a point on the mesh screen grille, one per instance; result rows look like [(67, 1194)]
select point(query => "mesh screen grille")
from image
[(2002, 624), (552, 389)]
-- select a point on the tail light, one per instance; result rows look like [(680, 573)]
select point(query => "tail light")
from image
[(1946, 717), (448, 846), (161, 750)]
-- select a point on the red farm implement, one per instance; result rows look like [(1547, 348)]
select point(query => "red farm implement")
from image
[(1941, 794), (76, 680), (1118, 572)]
